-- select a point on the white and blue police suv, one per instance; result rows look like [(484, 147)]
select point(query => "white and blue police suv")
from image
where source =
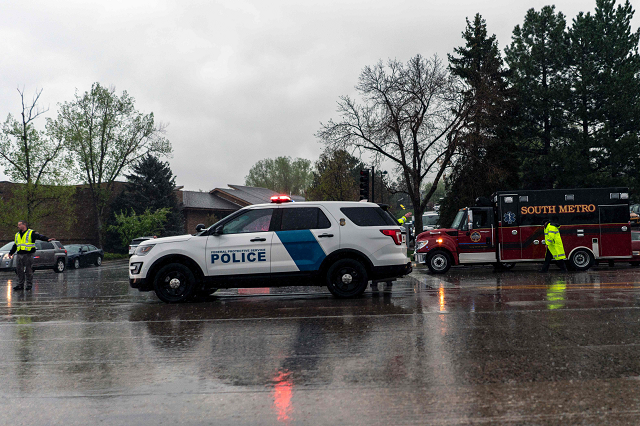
[(342, 245)]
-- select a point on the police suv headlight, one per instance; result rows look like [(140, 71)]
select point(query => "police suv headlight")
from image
[(421, 245), (135, 267), (143, 250)]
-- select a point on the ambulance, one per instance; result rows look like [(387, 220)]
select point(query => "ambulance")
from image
[(341, 245), (594, 226)]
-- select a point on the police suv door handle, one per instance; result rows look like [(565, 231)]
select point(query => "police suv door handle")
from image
[(258, 239), (325, 235)]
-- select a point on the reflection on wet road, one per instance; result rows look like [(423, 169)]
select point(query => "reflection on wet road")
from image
[(472, 346)]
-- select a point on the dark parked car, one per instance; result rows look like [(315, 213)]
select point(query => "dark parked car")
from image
[(48, 255), (83, 254)]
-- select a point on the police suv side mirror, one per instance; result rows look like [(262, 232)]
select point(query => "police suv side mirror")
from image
[(199, 227)]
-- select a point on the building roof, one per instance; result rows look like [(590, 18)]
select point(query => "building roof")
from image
[(206, 200)]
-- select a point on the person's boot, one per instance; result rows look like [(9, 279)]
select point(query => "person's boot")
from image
[(18, 287)]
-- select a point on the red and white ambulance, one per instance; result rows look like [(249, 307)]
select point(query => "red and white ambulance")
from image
[(594, 225)]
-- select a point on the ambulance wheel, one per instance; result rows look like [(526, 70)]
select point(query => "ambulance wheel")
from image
[(347, 278), (174, 283), (581, 260), (439, 261)]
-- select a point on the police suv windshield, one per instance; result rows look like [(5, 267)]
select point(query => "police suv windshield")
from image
[(458, 220)]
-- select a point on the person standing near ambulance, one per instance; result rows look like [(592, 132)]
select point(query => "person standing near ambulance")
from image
[(24, 245), (555, 249)]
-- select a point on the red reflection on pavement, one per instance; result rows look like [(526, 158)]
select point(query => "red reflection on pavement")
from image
[(282, 393), (260, 290)]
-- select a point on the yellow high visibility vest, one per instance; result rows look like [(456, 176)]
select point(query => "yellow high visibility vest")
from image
[(24, 242), (554, 242), (402, 220)]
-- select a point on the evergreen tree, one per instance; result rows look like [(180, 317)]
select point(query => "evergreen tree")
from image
[(537, 62), (604, 70), (151, 187), (485, 157)]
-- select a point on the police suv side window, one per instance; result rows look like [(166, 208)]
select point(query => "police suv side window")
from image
[(251, 221), (294, 219), (368, 216)]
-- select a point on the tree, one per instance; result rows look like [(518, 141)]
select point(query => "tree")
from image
[(336, 177), (604, 76), (35, 160), (409, 116), (106, 135), (151, 185), (484, 161), (281, 174), (537, 62), (132, 225)]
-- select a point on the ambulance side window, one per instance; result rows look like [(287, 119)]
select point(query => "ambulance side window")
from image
[(294, 219), (251, 221), (481, 218)]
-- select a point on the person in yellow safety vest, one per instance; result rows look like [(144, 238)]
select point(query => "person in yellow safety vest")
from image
[(24, 245), (555, 249), (404, 218)]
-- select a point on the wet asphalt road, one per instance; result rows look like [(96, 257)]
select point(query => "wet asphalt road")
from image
[(470, 347)]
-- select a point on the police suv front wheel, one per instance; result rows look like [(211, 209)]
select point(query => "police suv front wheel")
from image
[(347, 278), (174, 283)]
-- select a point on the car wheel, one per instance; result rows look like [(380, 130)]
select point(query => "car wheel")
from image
[(581, 259), (174, 283), (439, 261), (347, 278), (99, 261), (76, 263), (60, 265)]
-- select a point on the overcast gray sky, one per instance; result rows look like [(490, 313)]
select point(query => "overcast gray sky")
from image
[(235, 80)]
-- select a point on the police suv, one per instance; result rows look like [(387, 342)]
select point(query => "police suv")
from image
[(342, 245)]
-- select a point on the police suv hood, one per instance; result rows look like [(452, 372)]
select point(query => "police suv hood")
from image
[(176, 239)]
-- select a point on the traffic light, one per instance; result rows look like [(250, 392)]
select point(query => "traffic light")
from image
[(364, 184)]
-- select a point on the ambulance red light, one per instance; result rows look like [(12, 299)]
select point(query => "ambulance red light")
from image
[(393, 233), (280, 199)]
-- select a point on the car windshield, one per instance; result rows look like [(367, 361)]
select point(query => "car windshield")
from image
[(6, 247), (430, 219), (458, 220), (72, 249)]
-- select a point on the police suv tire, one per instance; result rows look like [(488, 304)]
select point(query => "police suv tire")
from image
[(60, 266), (439, 261), (174, 283), (581, 260), (99, 261), (347, 278), (76, 263)]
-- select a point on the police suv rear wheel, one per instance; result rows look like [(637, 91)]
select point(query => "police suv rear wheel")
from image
[(347, 278), (174, 283), (581, 259), (439, 262)]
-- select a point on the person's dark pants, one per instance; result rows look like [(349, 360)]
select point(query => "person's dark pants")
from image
[(24, 265), (547, 261)]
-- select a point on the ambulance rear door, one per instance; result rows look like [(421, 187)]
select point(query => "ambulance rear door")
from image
[(615, 232)]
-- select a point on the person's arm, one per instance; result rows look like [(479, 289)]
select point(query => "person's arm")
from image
[(13, 250), (41, 237)]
